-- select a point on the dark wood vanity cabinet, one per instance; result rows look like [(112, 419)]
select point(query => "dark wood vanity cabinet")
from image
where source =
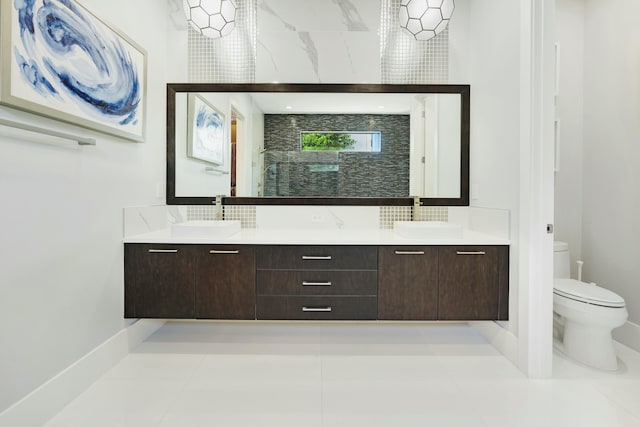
[(295, 282), (408, 285), (317, 282), (189, 281), (443, 283), (473, 283), (159, 281)]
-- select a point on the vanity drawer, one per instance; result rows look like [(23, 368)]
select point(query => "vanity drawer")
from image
[(317, 308), (317, 257), (317, 282)]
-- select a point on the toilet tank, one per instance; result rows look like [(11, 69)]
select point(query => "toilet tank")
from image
[(561, 260)]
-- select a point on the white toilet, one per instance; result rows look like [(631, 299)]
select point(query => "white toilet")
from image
[(584, 315)]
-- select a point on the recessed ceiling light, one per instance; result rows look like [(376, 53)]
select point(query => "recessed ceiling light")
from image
[(288, 107)]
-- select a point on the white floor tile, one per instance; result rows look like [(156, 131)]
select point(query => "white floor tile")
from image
[(160, 366), (401, 419), (273, 368), (120, 402), (335, 374), (269, 419), (249, 398), (362, 369)]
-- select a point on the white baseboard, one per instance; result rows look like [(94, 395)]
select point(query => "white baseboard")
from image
[(40, 405), (629, 335), (502, 339)]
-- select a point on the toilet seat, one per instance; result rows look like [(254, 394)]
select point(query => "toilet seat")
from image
[(588, 294)]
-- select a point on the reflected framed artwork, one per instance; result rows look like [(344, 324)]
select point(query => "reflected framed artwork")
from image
[(205, 131), (61, 61)]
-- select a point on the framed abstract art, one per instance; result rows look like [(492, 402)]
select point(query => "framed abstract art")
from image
[(61, 61), (205, 131)]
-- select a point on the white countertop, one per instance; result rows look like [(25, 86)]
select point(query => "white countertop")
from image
[(352, 236)]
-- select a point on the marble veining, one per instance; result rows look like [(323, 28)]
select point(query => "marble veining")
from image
[(269, 54), (327, 41), (269, 10), (176, 13), (320, 15), (311, 50), (348, 52), (147, 219), (351, 16)]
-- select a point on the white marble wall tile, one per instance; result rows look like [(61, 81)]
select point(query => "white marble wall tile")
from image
[(145, 219), (348, 57), (284, 57), (459, 215), (496, 222), (317, 217), (319, 15), (324, 57), (325, 41)]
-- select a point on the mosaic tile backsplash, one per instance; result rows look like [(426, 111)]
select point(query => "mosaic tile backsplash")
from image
[(290, 172)]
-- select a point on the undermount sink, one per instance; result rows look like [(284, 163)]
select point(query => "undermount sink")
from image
[(205, 228), (427, 229)]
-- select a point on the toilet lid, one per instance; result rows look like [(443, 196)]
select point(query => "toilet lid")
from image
[(584, 292)]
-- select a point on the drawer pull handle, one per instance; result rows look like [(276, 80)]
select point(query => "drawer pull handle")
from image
[(316, 257), (316, 309), (163, 251), (231, 252), (471, 253), (409, 252), (305, 283)]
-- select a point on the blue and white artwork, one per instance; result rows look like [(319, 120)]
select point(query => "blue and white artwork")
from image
[(206, 135), (61, 61)]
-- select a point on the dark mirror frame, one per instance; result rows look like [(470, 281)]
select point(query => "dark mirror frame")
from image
[(463, 90)]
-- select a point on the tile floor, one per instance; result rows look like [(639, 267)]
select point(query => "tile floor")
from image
[(243, 374)]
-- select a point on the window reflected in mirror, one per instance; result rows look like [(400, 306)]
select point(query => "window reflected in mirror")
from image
[(340, 141)]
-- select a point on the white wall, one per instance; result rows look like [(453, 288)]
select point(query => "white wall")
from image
[(570, 35), (611, 172), (61, 269)]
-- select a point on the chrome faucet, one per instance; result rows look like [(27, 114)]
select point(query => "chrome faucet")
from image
[(218, 214)]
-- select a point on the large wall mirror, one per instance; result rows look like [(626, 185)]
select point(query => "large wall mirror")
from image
[(333, 144)]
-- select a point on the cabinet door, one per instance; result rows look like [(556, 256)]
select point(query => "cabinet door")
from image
[(226, 282), (408, 286), (469, 278), (163, 281)]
